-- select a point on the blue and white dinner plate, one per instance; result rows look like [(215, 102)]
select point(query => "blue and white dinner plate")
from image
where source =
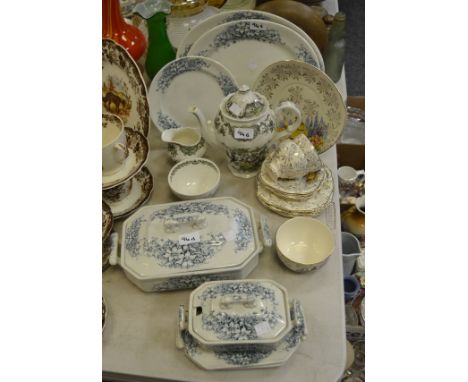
[(184, 83)]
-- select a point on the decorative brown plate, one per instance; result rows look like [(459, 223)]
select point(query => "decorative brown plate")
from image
[(123, 89)]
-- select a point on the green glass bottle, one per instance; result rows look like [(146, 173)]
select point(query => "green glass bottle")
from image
[(160, 50), (334, 55)]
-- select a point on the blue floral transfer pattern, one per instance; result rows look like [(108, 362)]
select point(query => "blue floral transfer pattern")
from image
[(247, 30), (189, 282), (244, 358), (170, 253), (236, 327), (226, 84), (178, 67), (304, 55), (166, 122), (237, 288)]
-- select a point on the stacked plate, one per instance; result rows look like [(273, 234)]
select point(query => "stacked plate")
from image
[(240, 324), (246, 42), (124, 95), (304, 193)]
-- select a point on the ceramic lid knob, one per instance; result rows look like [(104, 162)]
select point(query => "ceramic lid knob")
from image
[(245, 103)]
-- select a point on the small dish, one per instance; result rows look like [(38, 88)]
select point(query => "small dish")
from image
[(304, 244), (138, 149), (126, 198), (194, 179), (107, 221)]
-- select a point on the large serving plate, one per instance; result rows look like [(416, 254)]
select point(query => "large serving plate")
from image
[(181, 245), (239, 313), (225, 17), (123, 88), (321, 105), (247, 47), (252, 357), (184, 83)]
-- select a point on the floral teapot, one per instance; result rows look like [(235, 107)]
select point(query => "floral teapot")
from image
[(245, 126)]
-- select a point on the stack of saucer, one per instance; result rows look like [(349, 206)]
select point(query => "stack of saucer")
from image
[(293, 181), (126, 184)]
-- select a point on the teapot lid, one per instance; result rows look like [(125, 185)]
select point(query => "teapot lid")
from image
[(245, 103)]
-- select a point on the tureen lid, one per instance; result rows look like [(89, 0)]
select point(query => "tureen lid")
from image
[(245, 103), (239, 312), (181, 238)]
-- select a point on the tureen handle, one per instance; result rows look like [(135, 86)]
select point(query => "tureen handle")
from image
[(265, 228), (288, 105), (298, 317), (113, 257), (180, 327)]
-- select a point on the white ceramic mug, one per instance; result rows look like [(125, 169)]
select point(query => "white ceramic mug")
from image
[(114, 144)]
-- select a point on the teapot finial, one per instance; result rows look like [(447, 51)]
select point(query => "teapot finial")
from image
[(245, 103)]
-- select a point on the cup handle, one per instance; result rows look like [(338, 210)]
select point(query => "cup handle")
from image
[(122, 150), (288, 105)]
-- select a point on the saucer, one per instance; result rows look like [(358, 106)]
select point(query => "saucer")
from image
[(138, 149), (295, 189), (141, 186), (107, 220), (312, 206)]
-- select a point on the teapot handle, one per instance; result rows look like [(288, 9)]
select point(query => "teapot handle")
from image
[(291, 128)]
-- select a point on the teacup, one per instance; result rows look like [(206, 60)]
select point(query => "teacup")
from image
[(114, 144), (348, 177)]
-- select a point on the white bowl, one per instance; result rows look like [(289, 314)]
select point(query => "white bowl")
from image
[(194, 178), (304, 244)]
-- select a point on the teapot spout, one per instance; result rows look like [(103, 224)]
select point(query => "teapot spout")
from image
[(206, 126)]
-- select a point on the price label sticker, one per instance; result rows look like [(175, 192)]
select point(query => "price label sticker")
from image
[(189, 238), (243, 133), (235, 109), (262, 328)]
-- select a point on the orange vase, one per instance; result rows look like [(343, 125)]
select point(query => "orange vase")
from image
[(115, 28)]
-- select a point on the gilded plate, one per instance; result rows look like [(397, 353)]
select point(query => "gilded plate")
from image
[(290, 208), (321, 105), (123, 88)]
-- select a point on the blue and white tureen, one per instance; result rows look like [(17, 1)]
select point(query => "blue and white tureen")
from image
[(181, 245), (240, 324)]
